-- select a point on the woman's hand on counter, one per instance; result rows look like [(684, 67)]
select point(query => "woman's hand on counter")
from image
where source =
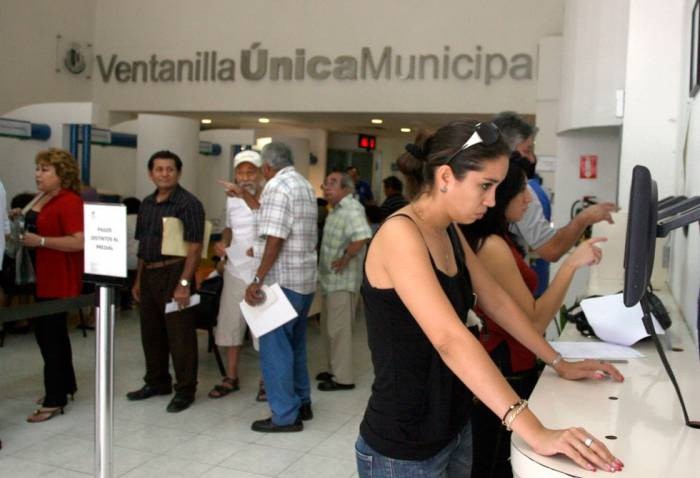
[(585, 450), (594, 369)]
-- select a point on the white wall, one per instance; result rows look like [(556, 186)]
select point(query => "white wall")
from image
[(17, 165), (113, 169), (17, 157), (547, 108), (604, 142), (684, 272), (28, 30), (162, 132), (594, 49), (657, 79)]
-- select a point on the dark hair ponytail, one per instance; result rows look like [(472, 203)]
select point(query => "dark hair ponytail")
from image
[(412, 163)]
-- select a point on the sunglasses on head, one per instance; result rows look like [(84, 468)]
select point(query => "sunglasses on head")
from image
[(486, 133)]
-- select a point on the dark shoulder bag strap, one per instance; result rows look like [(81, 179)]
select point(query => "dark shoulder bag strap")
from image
[(461, 264)]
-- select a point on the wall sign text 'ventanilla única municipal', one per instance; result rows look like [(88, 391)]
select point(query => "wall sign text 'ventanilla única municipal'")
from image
[(256, 63)]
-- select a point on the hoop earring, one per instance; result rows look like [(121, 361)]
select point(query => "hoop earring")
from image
[(443, 189)]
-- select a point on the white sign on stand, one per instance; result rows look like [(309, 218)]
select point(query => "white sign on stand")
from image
[(105, 239), (105, 265)]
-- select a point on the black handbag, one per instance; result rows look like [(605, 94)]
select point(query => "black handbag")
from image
[(210, 296)]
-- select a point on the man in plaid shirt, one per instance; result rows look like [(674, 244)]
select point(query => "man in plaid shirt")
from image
[(340, 273), (286, 245)]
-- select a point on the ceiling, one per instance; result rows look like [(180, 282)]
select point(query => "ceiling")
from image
[(335, 122)]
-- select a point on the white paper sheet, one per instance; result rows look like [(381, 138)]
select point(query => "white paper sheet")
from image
[(173, 307), (271, 314), (594, 350), (241, 261), (613, 322)]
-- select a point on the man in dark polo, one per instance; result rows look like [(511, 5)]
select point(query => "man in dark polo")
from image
[(161, 279)]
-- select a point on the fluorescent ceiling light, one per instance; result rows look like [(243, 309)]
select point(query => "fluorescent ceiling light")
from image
[(405, 130), (376, 121), (261, 142), (263, 120), (206, 121)]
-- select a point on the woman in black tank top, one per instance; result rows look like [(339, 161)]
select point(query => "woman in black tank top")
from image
[(417, 290)]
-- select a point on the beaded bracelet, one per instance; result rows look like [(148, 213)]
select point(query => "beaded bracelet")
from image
[(513, 412), (510, 409)]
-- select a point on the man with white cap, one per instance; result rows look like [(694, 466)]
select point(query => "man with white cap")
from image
[(239, 268)]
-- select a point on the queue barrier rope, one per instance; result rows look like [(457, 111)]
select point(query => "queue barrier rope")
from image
[(40, 309)]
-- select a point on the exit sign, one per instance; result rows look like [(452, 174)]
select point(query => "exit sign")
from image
[(366, 141)]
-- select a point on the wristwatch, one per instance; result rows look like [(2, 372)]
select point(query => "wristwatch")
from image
[(184, 282), (257, 280)]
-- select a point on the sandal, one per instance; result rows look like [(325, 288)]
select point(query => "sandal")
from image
[(262, 395), (227, 386), (43, 414)]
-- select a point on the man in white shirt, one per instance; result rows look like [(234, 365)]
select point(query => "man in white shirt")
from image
[(238, 268)]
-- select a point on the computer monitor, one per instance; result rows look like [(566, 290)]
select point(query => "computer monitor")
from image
[(640, 245), (641, 235)]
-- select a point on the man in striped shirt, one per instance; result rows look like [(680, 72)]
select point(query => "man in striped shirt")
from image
[(160, 279)]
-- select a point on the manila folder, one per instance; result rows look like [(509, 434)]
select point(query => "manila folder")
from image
[(173, 238)]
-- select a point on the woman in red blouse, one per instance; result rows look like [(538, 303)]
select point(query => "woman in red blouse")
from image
[(504, 259), (55, 229)]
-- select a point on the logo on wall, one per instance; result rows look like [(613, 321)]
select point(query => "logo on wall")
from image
[(75, 57), (74, 60)]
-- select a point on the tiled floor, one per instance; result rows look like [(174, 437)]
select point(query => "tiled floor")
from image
[(211, 439)]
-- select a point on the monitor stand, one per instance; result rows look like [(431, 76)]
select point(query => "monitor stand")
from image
[(649, 326)]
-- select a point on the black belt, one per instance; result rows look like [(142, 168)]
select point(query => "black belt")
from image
[(164, 263)]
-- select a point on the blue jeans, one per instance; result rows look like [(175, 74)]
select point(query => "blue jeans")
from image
[(455, 460), (283, 362)]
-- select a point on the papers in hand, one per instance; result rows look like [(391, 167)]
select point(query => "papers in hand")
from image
[(613, 322), (173, 306), (241, 261), (594, 350), (271, 314)]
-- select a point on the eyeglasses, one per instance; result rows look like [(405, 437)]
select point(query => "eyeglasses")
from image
[(487, 133)]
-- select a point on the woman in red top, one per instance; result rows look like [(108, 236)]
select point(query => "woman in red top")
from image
[(504, 259), (55, 230)]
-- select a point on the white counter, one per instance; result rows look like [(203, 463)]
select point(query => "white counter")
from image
[(652, 439)]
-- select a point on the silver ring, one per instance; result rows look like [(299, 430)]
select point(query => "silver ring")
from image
[(588, 442)]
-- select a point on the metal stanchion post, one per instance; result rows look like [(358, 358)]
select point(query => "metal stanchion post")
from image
[(104, 382)]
